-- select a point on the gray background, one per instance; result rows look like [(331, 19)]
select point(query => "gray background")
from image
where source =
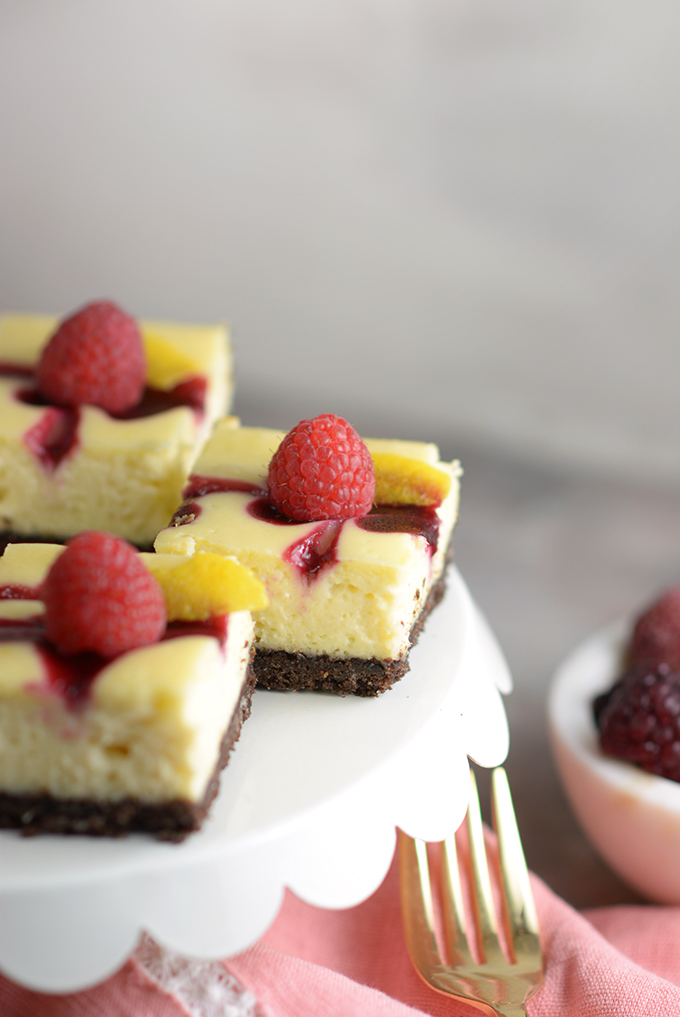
[(448, 220)]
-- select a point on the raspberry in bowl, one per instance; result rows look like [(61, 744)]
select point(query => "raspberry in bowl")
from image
[(614, 714)]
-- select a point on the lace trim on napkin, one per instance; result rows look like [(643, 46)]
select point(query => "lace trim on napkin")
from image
[(204, 987)]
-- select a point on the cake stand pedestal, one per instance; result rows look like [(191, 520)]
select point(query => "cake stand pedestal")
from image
[(310, 800)]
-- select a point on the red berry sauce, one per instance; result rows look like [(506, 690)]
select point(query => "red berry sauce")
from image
[(13, 630), (198, 486), (55, 436), (71, 676), (8, 369), (216, 626), (317, 550), (314, 551), (189, 393), (262, 509), (186, 513), (420, 520)]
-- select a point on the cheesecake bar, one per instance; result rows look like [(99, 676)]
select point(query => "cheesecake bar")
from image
[(347, 597), (68, 468), (105, 747)]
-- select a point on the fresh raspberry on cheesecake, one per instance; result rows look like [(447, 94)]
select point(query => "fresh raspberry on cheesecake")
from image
[(322, 470), (99, 597), (95, 357)]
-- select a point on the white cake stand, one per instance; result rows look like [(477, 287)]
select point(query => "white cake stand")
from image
[(310, 801)]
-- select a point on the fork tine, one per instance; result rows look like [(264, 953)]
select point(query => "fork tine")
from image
[(517, 895), (483, 905), (453, 911), (416, 898)]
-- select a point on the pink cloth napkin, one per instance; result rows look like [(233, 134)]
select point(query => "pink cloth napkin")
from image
[(610, 962)]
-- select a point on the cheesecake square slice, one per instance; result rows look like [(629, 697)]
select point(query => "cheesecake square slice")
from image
[(64, 469), (108, 747), (347, 597)]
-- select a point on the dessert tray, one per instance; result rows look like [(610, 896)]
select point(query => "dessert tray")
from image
[(310, 801)]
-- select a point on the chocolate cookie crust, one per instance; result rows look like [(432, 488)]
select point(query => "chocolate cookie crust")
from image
[(170, 820)]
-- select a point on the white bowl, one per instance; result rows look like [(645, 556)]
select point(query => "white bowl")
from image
[(631, 817)]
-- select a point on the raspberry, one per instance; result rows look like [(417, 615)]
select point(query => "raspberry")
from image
[(97, 357), (99, 597), (322, 470), (656, 636), (639, 719)]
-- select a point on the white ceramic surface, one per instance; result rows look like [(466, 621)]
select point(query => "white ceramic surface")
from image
[(310, 800), (631, 817)]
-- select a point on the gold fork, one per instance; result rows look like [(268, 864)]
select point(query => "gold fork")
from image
[(477, 971)]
